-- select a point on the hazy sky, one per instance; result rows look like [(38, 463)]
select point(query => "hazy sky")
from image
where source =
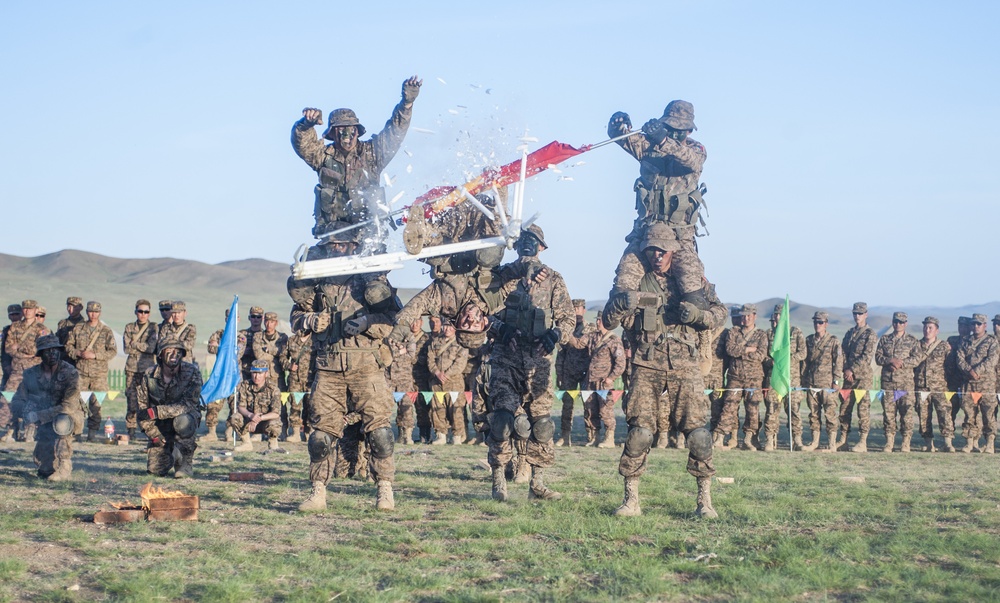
[(852, 146)]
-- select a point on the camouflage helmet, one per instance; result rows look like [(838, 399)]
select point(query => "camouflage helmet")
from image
[(328, 233), (46, 342), (679, 115), (660, 236), (169, 342), (536, 230), (342, 117)]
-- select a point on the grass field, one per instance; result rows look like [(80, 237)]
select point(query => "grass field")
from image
[(920, 527)]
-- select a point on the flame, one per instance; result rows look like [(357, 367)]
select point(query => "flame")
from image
[(149, 492), (127, 505)]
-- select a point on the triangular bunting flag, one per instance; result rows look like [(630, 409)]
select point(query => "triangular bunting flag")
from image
[(468, 397), (975, 397), (845, 394), (85, 396), (586, 393), (397, 396), (949, 395), (616, 394), (101, 397), (428, 396), (923, 396), (454, 396), (284, 397), (299, 396), (412, 396), (8, 395), (899, 393), (560, 393), (830, 391), (603, 393), (113, 395), (877, 394), (574, 392), (859, 394), (708, 391)]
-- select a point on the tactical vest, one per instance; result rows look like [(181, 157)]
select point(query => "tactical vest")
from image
[(346, 195), (335, 350), (530, 321), (654, 327)]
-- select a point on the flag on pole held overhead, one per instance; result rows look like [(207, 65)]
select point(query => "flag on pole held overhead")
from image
[(226, 372), (781, 376)]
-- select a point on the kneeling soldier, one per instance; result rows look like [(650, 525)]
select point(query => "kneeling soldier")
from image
[(258, 408)]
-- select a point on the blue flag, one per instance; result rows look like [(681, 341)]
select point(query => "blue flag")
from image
[(226, 372)]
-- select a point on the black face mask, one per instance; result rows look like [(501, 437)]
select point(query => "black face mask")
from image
[(527, 246), (678, 135), (51, 357)]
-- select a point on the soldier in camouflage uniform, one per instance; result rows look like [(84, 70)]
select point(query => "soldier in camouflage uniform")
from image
[(258, 408), (822, 370), (535, 318), (665, 369), (213, 408), (14, 314), (74, 311), (349, 317), (168, 397), (446, 361), (165, 306), (422, 377), (715, 379), (951, 372), (930, 385), (299, 361), (139, 344), (178, 328), (667, 192), (91, 345), (797, 353), (894, 354), (859, 351), (977, 362), (401, 376), (19, 343), (607, 363), (572, 360), (40, 315), (269, 346), (745, 347), (256, 318), (49, 398), (349, 169)]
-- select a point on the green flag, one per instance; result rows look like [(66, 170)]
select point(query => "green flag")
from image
[(781, 377)]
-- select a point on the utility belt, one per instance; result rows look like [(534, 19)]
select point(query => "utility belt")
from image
[(683, 211), (339, 359)]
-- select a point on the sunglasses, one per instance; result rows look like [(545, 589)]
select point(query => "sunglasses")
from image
[(142, 311), (903, 322), (819, 322), (39, 315)]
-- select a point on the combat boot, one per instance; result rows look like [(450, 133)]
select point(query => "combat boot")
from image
[(862, 445), (272, 443), (316, 500), (591, 436), (988, 448), (905, 446), (406, 437), (890, 441), (928, 445), (29, 432), (630, 506), (185, 467), (384, 500), (131, 435), (538, 490), (770, 442), (440, 439), (8, 437), (499, 485), (948, 446), (813, 444), (63, 472), (719, 441), (831, 443), (522, 474), (968, 445), (842, 434), (246, 446), (681, 440), (705, 508), (91, 435), (229, 433), (797, 442), (608, 441), (747, 443), (755, 441)]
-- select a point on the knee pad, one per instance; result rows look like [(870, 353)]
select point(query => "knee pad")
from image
[(501, 425), (543, 430), (381, 442), (638, 442), (522, 427), (699, 443), (319, 445), (62, 424), (185, 425)]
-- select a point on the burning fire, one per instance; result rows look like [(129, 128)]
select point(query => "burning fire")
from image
[(127, 506), (149, 492)]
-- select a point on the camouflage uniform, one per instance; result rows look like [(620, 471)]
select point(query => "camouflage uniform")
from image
[(348, 188), (979, 355), (263, 400), (19, 343), (951, 372), (607, 361), (181, 396), (859, 351), (447, 357), (63, 329), (797, 353), (745, 350), (213, 408), (6, 361), (99, 339), (186, 333), (299, 361), (667, 191), (49, 397), (271, 348), (822, 370), (891, 346), (930, 384), (715, 377), (572, 360), (139, 344)]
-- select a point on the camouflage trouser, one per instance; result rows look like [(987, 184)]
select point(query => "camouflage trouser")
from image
[(773, 406), (566, 418), (823, 407), (291, 411), (686, 267), (94, 383), (522, 379), (446, 413), (929, 403), (52, 451), (406, 414), (602, 411), (681, 390), (130, 403), (160, 459), (898, 412), (238, 422), (212, 413), (980, 415), (731, 398), (863, 403), (369, 394), (351, 456)]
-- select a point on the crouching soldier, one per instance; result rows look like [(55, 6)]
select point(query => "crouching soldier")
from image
[(49, 398), (258, 408), (168, 399)]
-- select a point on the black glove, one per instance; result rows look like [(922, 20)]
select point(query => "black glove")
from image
[(411, 88), (501, 332), (550, 339), (619, 124), (578, 331), (398, 334), (690, 313), (655, 131)]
